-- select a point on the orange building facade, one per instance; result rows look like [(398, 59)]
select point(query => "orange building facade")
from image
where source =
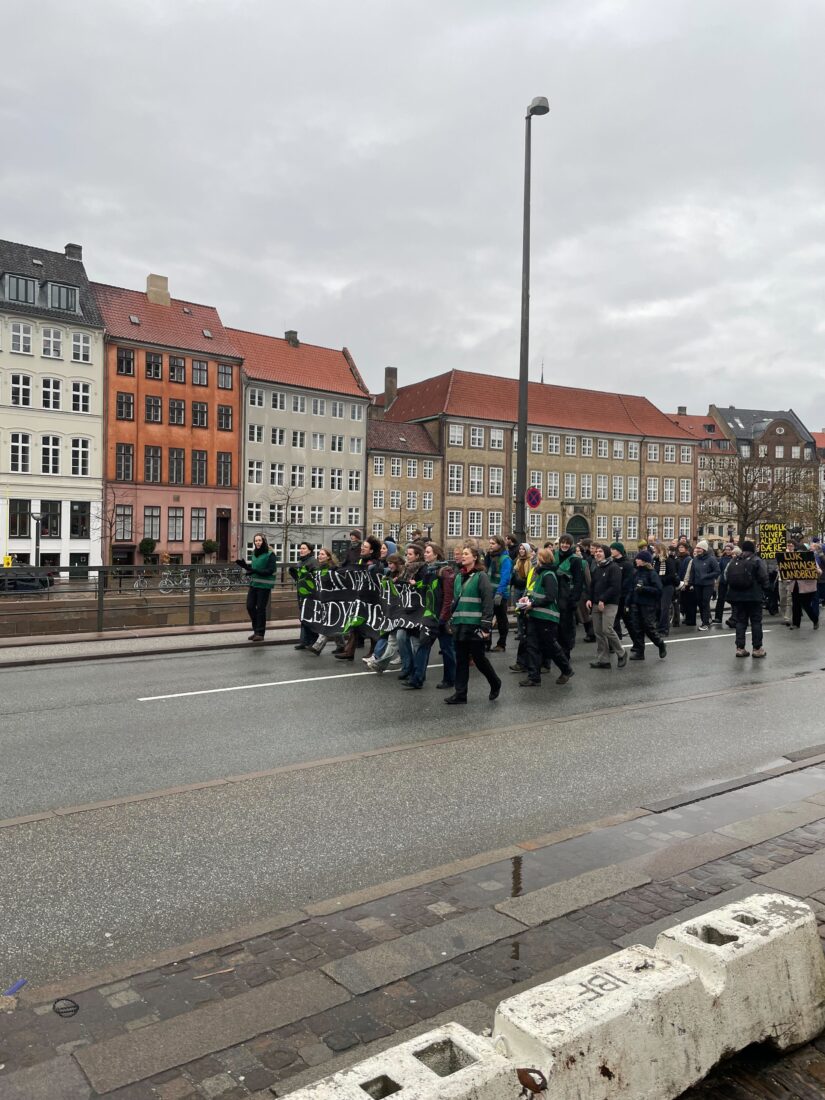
[(173, 391)]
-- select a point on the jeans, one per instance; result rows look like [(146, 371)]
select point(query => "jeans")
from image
[(404, 642), (748, 610), (607, 640), (421, 658), (467, 649), (257, 606), (542, 645), (642, 620), (447, 643), (702, 594)]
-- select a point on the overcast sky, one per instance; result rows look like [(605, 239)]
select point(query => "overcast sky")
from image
[(354, 169)]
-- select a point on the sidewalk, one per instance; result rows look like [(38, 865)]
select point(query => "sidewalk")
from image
[(270, 1008)]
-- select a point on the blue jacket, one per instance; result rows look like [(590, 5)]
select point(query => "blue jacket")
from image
[(646, 588), (505, 564), (705, 569)]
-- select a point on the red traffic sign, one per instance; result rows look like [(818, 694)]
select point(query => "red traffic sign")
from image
[(533, 496)]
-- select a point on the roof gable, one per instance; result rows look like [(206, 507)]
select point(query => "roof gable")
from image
[(272, 359), (384, 435), (53, 267)]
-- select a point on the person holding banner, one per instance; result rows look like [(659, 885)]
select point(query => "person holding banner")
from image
[(803, 591), (370, 560), (472, 623)]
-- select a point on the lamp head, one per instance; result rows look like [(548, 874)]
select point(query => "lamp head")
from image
[(539, 106)]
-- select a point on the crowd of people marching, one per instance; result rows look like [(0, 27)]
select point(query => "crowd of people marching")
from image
[(555, 591)]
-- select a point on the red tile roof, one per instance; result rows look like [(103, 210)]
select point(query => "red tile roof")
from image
[(697, 426), (272, 359), (163, 326), (490, 397), (383, 435), (819, 439)]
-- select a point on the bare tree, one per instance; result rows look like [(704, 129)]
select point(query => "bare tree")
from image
[(746, 492), (289, 520), (114, 498)]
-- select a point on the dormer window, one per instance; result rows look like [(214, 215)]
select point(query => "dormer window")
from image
[(20, 289), (63, 297), (207, 334), (710, 428)]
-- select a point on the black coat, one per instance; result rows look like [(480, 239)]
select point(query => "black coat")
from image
[(647, 588), (606, 582), (760, 586)]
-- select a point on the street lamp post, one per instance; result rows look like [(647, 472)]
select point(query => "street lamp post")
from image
[(539, 106), (37, 517)]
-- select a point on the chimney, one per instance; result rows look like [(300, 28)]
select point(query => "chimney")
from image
[(157, 290), (74, 252), (390, 385), (291, 337), (682, 410)]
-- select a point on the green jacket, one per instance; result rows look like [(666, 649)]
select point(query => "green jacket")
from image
[(262, 568)]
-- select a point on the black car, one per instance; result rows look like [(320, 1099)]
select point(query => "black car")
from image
[(19, 579)]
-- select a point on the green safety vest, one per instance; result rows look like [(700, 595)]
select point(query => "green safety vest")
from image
[(259, 579), (468, 607), (494, 569), (550, 612)]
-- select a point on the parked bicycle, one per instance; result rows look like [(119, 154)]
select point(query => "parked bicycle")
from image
[(217, 579), (173, 579)]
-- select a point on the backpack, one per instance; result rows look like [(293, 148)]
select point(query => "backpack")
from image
[(739, 575)]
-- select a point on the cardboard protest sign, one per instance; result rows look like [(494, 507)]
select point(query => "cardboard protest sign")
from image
[(348, 598), (773, 538), (799, 565)]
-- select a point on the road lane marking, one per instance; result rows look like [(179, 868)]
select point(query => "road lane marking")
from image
[(250, 687)]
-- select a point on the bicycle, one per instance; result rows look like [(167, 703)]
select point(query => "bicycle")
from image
[(141, 581), (171, 579)]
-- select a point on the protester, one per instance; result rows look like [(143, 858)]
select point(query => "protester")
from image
[(664, 562), (570, 576), (499, 569), (369, 561), (539, 605), (617, 552), (684, 571), (703, 577), (472, 618), (722, 590), (261, 569), (407, 640), (446, 576), (804, 596), (747, 581), (428, 585), (302, 574), (605, 594), (582, 610), (644, 607), (326, 563)]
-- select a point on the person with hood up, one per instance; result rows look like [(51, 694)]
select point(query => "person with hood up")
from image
[(645, 595), (541, 609), (261, 569)]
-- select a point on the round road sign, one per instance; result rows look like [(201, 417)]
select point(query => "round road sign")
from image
[(533, 496)]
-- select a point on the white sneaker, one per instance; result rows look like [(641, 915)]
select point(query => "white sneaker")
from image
[(395, 663), (367, 660)]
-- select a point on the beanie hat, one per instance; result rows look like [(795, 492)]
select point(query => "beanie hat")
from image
[(642, 544), (646, 556), (617, 546), (702, 545), (527, 548)]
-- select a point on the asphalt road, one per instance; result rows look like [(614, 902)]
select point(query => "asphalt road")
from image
[(366, 781)]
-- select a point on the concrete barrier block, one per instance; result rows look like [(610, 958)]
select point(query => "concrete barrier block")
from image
[(762, 961), (448, 1063)]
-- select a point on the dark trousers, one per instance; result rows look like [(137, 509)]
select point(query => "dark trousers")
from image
[(702, 593), (687, 600), (472, 649), (421, 658), (665, 607), (308, 635), (642, 620), (807, 600), (257, 606), (748, 611), (543, 645), (566, 629), (502, 624), (447, 644), (621, 619), (722, 595)]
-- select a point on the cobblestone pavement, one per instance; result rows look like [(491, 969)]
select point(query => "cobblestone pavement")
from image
[(148, 1004)]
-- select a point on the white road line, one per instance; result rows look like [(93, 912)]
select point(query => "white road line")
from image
[(703, 638), (251, 687)]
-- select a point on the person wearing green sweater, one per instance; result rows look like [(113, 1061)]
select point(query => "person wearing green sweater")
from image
[(261, 569)]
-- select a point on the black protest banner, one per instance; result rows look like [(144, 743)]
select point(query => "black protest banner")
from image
[(799, 565), (348, 598), (773, 538)]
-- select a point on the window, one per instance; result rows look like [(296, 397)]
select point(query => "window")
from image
[(21, 390), (395, 467), (319, 406), (19, 519), (779, 451), (586, 487), (378, 498), (224, 468), (601, 448), (80, 457), (553, 484), (633, 451), (151, 522), (278, 437), (125, 361), (618, 448), (427, 502), (453, 524), (154, 365), (553, 445), (123, 522), (494, 522), (276, 473), (81, 397), (356, 412), (177, 369), (297, 476), (354, 516), (175, 524), (455, 475), (686, 454), (256, 398), (632, 526), (200, 373), (669, 490), (255, 433), (536, 443), (52, 343), (151, 464), (684, 526), (63, 297), (455, 435), (601, 486), (50, 454), (299, 439), (255, 472), (336, 479), (476, 480), (474, 521), (746, 450), (653, 488), (336, 409), (534, 525), (618, 488), (496, 475), (427, 469), (177, 465), (378, 530), (336, 444), (412, 500), (669, 452), (197, 524), (587, 448), (80, 519), (356, 443), (21, 338), (21, 289), (653, 526), (570, 445), (200, 414), (684, 490), (317, 477), (617, 526), (316, 514), (50, 393), (395, 499), (354, 479), (633, 488), (153, 410), (124, 461), (378, 466), (319, 441), (412, 467), (299, 403), (225, 418), (552, 525), (601, 527), (496, 442), (225, 376), (334, 515), (796, 452), (570, 486), (653, 452), (199, 468), (668, 527)]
